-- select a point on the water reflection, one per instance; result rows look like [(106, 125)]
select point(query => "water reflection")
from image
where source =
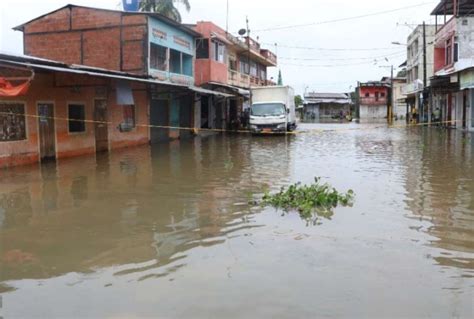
[(137, 220), (131, 207), (441, 189)]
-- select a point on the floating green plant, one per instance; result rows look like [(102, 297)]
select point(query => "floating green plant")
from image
[(311, 201)]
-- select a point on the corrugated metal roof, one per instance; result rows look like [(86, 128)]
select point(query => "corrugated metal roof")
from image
[(315, 95), (55, 66)]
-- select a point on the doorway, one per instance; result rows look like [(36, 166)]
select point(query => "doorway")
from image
[(159, 116), (101, 126), (186, 116), (205, 112), (47, 134)]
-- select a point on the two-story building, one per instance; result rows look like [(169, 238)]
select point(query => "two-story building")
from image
[(373, 100), (415, 67), (97, 80), (453, 82), (141, 43), (228, 64)]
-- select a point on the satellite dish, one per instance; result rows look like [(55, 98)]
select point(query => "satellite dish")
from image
[(242, 32)]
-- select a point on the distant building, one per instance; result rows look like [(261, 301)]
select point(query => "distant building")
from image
[(399, 98), (373, 99), (326, 105), (415, 68), (453, 81)]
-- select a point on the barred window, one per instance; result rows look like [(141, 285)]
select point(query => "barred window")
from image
[(12, 122)]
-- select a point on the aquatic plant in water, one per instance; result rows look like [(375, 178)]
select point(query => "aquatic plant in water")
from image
[(311, 201)]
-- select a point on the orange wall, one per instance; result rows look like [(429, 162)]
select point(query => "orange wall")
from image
[(208, 70), (140, 134), (439, 58), (73, 144)]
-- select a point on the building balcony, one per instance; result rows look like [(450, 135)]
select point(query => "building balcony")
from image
[(245, 81), (373, 101), (270, 56), (238, 79), (445, 32), (412, 88)]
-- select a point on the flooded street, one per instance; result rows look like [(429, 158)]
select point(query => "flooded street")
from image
[(167, 231)]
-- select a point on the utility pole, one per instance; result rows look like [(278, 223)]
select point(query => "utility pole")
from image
[(390, 109), (227, 19), (425, 79), (248, 57)]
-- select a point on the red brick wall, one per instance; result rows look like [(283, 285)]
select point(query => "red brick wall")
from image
[(85, 18), (101, 48), (65, 47), (90, 37), (55, 22)]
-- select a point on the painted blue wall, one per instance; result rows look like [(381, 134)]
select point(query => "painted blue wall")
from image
[(169, 36)]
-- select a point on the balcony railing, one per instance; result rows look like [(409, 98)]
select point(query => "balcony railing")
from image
[(413, 87), (243, 80), (373, 101), (269, 55)]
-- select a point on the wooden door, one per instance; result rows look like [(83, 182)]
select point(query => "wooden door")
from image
[(159, 116), (46, 131), (101, 127)]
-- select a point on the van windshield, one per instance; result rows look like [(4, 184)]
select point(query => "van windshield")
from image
[(270, 109)]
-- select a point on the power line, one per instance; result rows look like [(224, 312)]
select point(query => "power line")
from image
[(343, 19), (344, 59), (334, 65), (326, 49)]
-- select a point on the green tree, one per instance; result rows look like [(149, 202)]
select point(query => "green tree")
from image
[(164, 7), (298, 100)]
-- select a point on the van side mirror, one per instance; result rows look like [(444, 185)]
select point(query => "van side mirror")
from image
[(287, 111)]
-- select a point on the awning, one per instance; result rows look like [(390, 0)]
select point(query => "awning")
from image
[(234, 88), (85, 71), (209, 92)]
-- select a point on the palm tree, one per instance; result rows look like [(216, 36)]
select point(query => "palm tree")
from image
[(164, 7)]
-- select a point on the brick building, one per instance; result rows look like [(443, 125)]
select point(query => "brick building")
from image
[(103, 79)]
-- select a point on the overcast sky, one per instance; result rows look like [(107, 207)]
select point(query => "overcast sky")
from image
[(321, 69)]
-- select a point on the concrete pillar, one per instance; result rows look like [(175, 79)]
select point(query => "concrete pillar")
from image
[(197, 113)]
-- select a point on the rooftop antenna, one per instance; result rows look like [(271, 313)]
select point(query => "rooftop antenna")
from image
[(227, 19)]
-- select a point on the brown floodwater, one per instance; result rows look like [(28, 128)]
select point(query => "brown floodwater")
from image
[(168, 231)]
